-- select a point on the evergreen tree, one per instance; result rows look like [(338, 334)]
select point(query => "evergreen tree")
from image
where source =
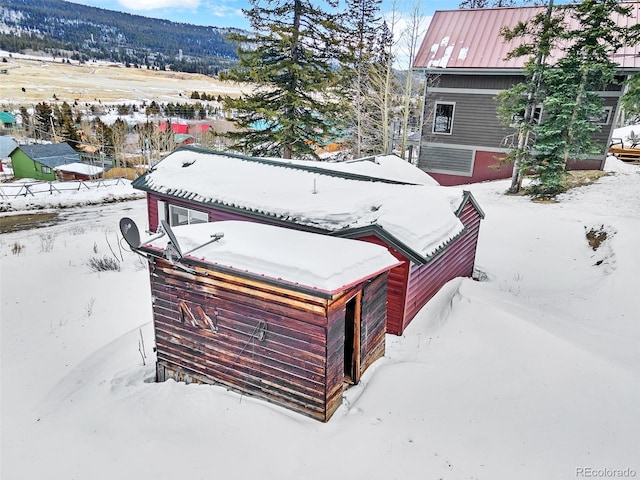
[(569, 89), (518, 104), (27, 121), (43, 121), (291, 58)]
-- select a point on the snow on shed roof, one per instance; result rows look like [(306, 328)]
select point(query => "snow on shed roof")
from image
[(302, 259), (471, 39), (80, 168), (419, 219), (52, 155), (389, 167)]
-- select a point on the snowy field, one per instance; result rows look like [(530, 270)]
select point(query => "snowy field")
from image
[(532, 373)]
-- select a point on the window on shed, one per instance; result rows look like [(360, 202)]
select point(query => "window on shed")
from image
[(186, 216), (443, 118), (46, 169)]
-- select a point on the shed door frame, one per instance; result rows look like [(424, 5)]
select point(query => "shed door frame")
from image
[(352, 320)]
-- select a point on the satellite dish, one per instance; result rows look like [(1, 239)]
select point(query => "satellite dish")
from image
[(130, 232), (172, 237)]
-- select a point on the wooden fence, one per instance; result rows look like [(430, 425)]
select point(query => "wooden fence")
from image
[(23, 189)]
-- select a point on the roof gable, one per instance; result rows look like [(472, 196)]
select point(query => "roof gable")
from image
[(420, 218), (454, 39), (51, 155)]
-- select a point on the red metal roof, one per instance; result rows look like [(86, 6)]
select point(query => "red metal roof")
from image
[(471, 39)]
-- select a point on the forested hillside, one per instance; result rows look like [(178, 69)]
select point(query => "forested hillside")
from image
[(79, 32)]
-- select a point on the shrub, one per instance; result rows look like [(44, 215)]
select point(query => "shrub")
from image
[(103, 264)]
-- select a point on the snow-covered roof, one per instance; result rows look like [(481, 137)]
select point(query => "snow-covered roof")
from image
[(81, 168), (419, 219), (389, 167), (281, 255)]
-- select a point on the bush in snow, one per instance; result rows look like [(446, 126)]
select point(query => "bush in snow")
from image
[(103, 264)]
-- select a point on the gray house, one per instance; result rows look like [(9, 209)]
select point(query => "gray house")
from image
[(462, 138)]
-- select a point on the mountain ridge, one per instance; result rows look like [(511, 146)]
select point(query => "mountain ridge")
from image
[(82, 33)]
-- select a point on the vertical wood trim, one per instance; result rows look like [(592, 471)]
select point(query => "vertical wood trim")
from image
[(357, 322)]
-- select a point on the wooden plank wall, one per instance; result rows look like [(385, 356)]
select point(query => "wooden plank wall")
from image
[(372, 335), (252, 337), (456, 261), (374, 321)]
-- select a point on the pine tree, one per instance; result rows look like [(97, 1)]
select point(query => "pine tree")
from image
[(291, 58), (569, 89), (518, 104), (572, 100), (43, 121)]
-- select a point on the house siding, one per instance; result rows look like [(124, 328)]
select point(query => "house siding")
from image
[(25, 167), (456, 261), (475, 122), (287, 367), (478, 139), (373, 321), (397, 277), (271, 342)]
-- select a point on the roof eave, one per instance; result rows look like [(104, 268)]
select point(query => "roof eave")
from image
[(296, 287), (468, 197), (470, 71), (385, 236)]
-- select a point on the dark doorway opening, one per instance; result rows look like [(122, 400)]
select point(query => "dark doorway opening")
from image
[(352, 340)]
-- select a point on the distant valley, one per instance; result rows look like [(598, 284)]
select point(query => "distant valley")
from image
[(82, 33)]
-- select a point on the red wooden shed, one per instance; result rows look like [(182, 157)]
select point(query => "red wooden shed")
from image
[(432, 230), (287, 316)]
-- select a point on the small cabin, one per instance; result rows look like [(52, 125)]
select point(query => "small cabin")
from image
[(290, 317), (431, 230), (78, 171)]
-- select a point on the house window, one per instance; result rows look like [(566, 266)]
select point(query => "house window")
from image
[(45, 169), (443, 118), (186, 216)]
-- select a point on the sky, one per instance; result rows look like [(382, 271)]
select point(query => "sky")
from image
[(228, 13)]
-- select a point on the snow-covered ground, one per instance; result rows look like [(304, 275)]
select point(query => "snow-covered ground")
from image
[(533, 373)]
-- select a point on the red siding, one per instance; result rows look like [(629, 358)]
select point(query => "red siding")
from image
[(456, 261), (271, 342), (409, 287), (152, 211), (486, 166), (396, 288)]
